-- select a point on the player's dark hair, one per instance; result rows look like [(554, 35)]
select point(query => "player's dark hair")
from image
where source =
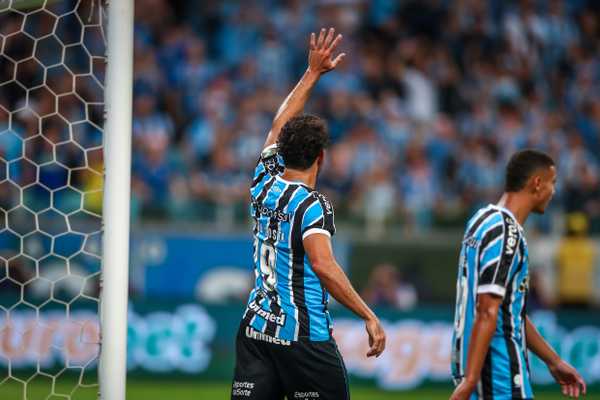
[(301, 141), (521, 167)]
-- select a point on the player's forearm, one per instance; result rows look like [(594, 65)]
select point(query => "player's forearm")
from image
[(539, 346), (483, 331), (293, 104), (338, 285)]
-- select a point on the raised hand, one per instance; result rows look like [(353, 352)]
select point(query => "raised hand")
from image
[(571, 383), (320, 57), (320, 61)]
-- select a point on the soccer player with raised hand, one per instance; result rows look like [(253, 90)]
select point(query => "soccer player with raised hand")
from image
[(284, 347), (492, 331)]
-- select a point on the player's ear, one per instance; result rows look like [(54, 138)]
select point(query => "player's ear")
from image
[(535, 184)]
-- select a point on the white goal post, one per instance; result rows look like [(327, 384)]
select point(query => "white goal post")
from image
[(116, 203), (66, 83)]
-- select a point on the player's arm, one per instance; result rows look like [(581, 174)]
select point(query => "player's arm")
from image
[(319, 251), (320, 61), (572, 384), (481, 337)]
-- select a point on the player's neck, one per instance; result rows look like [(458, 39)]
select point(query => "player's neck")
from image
[(517, 204), (307, 177)]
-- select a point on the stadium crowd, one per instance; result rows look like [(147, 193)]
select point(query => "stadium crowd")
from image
[(423, 113)]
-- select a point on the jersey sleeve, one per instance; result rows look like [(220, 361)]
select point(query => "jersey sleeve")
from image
[(270, 163), (318, 218), (498, 250)]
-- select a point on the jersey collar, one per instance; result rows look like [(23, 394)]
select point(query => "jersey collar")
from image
[(279, 178), (506, 210)]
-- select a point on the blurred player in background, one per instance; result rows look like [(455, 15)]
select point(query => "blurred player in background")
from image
[(285, 345), (492, 331)]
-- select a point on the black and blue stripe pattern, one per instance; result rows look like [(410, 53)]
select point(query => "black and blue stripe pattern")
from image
[(494, 259), (288, 300)]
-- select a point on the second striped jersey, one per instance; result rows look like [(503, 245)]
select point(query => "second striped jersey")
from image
[(494, 259)]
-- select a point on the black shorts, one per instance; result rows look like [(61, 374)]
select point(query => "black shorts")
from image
[(267, 369)]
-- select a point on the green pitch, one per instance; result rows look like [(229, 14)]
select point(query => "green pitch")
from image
[(186, 390)]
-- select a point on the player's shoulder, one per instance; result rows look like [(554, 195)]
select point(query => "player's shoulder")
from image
[(482, 220), (306, 196), (493, 218), (508, 220), (318, 216), (316, 198), (313, 203), (324, 202)]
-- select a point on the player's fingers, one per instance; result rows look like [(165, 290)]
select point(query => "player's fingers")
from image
[(574, 390), (564, 390), (313, 41), (329, 38), (380, 344), (571, 391), (371, 351), (321, 38), (582, 384), (334, 44), (380, 348), (372, 346), (383, 339), (375, 350), (337, 60)]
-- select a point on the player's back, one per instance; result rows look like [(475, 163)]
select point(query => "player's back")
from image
[(494, 260), (288, 301)]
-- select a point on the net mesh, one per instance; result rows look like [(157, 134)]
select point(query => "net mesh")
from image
[(52, 64)]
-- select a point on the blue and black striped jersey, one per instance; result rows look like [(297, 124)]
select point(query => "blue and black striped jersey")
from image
[(494, 259), (288, 301)]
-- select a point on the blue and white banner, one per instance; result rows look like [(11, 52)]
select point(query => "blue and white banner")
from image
[(198, 340)]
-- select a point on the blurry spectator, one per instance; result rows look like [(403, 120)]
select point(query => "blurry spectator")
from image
[(582, 180), (150, 125), (421, 92), (201, 137), (386, 288), (148, 77), (336, 178), (193, 74), (417, 189), (154, 169), (224, 186), (576, 260), (378, 201), (273, 67)]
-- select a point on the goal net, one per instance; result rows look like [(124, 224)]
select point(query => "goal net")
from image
[(52, 68)]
